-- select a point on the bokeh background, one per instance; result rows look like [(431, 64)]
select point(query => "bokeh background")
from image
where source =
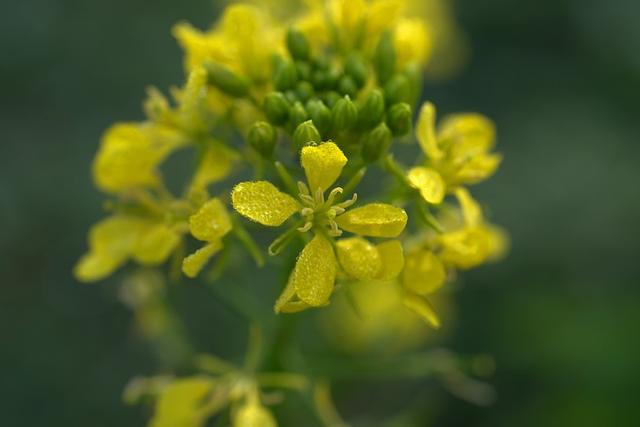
[(561, 78)]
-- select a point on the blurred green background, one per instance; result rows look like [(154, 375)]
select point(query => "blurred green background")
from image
[(561, 79)]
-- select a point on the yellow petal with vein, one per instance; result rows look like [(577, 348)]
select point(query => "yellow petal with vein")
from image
[(375, 220), (322, 164), (359, 258), (429, 182), (315, 272), (262, 202), (211, 222)]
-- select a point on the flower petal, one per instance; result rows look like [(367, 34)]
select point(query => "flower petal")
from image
[(359, 258), (423, 308), (211, 222), (471, 210), (426, 134), (262, 202), (182, 403), (214, 166), (423, 273), (392, 257), (429, 182), (315, 272), (194, 263), (111, 242), (468, 134), (155, 245), (375, 220), (322, 164)]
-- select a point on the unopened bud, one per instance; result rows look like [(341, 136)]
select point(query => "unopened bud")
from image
[(226, 80), (297, 115), (276, 108), (285, 75), (397, 89), (320, 114), (298, 44), (399, 119), (348, 86), (262, 137), (344, 114), (376, 143), (384, 59), (306, 133), (356, 67), (371, 110)]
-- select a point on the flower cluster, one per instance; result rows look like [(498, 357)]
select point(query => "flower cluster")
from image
[(312, 102)]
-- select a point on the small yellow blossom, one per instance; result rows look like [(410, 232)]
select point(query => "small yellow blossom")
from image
[(130, 154), (459, 153), (210, 224), (312, 280), (118, 238)]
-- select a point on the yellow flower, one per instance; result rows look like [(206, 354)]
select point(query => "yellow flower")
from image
[(118, 238), (210, 224), (458, 153), (242, 41), (312, 280), (469, 243), (130, 154)]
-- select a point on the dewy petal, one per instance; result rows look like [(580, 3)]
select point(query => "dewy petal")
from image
[(392, 257), (375, 220), (211, 222), (155, 245), (425, 132), (359, 258), (429, 182), (262, 202), (423, 308), (315, 272), (322, 164), (423, 273), (193, 264), (471, 210)]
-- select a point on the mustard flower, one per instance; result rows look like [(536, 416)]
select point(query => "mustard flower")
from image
[(312, 280), (469, 243)]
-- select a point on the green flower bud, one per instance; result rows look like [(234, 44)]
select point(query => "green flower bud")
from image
[(344, 114), (304, 91), (330, 98), (400, 119), (305, 133), (304, 70), (371, 109), (262, 137), (320, 114), (226, 80), (397, 89), (376, 143), (356, 67), (298, 44), (348, 86), (297, 115), (384, 58), (285, 75), (414, 74), (276, 108)]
